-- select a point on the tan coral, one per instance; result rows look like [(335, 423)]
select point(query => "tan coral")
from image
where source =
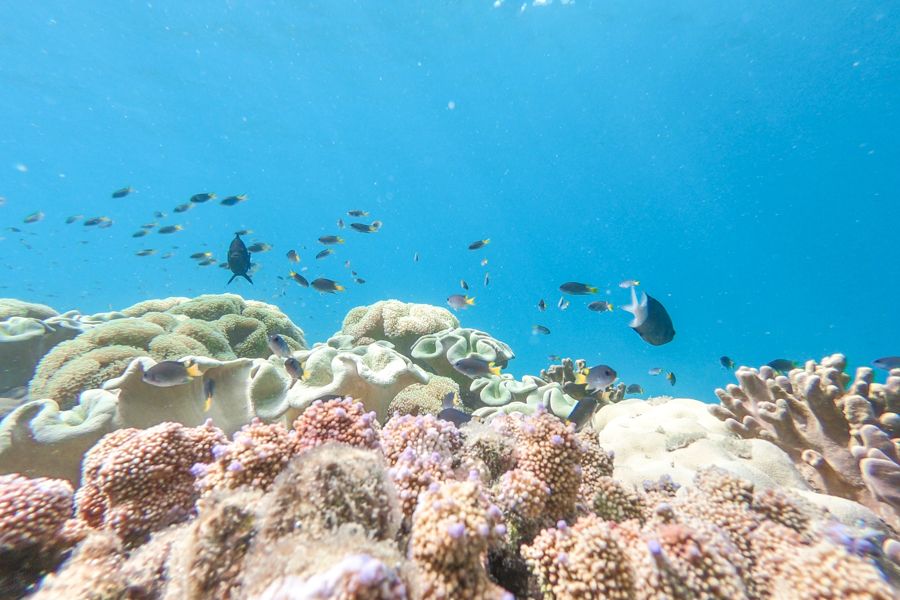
[(584, 560), (453, 528), (816, 419)]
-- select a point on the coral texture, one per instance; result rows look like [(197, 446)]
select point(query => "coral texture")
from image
[(396, 322), (437, 352), (813, 416)]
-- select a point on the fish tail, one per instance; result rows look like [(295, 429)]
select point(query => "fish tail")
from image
[(230, 280), (470, 301), (580, 379), (339, 287), (247, 277), (592, 289), (208, 404), (340, 240), (193, 370), (486, 241), (611, 307), (494, 369)]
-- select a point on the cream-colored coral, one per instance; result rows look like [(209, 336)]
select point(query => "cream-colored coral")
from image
[(396, 322)]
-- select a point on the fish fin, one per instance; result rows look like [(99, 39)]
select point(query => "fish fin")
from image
[(338, 287), (193, 370), (636, 283), (494, 369), (232, 279), (611, 307), (638, 309), (340, 240), (470, 301), (486, 241), (208, 403), (247, 277), (580, 379), (592, 289)]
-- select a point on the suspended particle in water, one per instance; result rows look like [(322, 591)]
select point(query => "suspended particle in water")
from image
[(451, 105)]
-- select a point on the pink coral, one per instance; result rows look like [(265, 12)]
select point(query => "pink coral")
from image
[(138, 481), (341, 420), (423, 434), (33, 512), (255, 457)]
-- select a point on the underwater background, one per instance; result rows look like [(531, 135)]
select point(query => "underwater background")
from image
[(741, 160)]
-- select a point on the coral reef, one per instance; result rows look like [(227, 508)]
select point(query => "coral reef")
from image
[(421, 398), (813, 416), (373, 374), (396, 322), (34, 529), (27, 333), (223, 327), (135, 482), (345, 483), (437, 352)]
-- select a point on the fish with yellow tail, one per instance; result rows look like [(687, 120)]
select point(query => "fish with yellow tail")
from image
[(460, 302)]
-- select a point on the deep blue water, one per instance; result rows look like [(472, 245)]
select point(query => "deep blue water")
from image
[(741, 159)]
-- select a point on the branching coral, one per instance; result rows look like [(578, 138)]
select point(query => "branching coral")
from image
[(453, 528), (33, 528), (339, 420), (817, 420), (138, 481), (254, 458)]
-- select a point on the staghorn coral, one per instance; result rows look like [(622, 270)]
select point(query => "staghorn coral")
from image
[(33, 528), (136, 481), (816, 419), (340, 420), (223, 327), (396, 322), (257, 454), (453, 528)]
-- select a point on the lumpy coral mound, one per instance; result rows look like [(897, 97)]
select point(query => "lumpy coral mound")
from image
[(334, 505)]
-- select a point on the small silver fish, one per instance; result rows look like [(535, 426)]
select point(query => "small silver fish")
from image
[(278, 345)]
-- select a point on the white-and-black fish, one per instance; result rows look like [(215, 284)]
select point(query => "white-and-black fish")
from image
[(278, 345), (651, 321)]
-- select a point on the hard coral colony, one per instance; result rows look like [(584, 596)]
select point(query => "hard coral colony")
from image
[(344, 482)]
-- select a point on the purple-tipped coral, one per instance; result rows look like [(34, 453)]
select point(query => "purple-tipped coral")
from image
[(138, 481), (340, 420), (453, 528), (255, 457)]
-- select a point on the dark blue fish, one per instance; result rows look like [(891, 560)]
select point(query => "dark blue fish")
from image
[(450, 413), (583, 411), (238, 259), (651, 321), (782, 365)]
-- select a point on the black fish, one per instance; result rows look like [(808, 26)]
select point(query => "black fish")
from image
[(232, 200), (299, 278), (782, 365), (201, 198), (363, 228), (651, 321), (171, 372), (575, 390), (326, 285), (577, 289), (600, 306), (122, 192), (726, 362), (238, 259), (450, 413), (583, 411)]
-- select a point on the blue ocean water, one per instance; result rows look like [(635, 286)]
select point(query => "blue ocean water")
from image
[(740, 159)]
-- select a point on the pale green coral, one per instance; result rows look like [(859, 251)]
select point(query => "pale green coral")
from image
[(10, 307), (504, 394), (104, 351), (437, 352)]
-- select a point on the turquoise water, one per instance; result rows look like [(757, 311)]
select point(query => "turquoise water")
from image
[(740, 159)]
